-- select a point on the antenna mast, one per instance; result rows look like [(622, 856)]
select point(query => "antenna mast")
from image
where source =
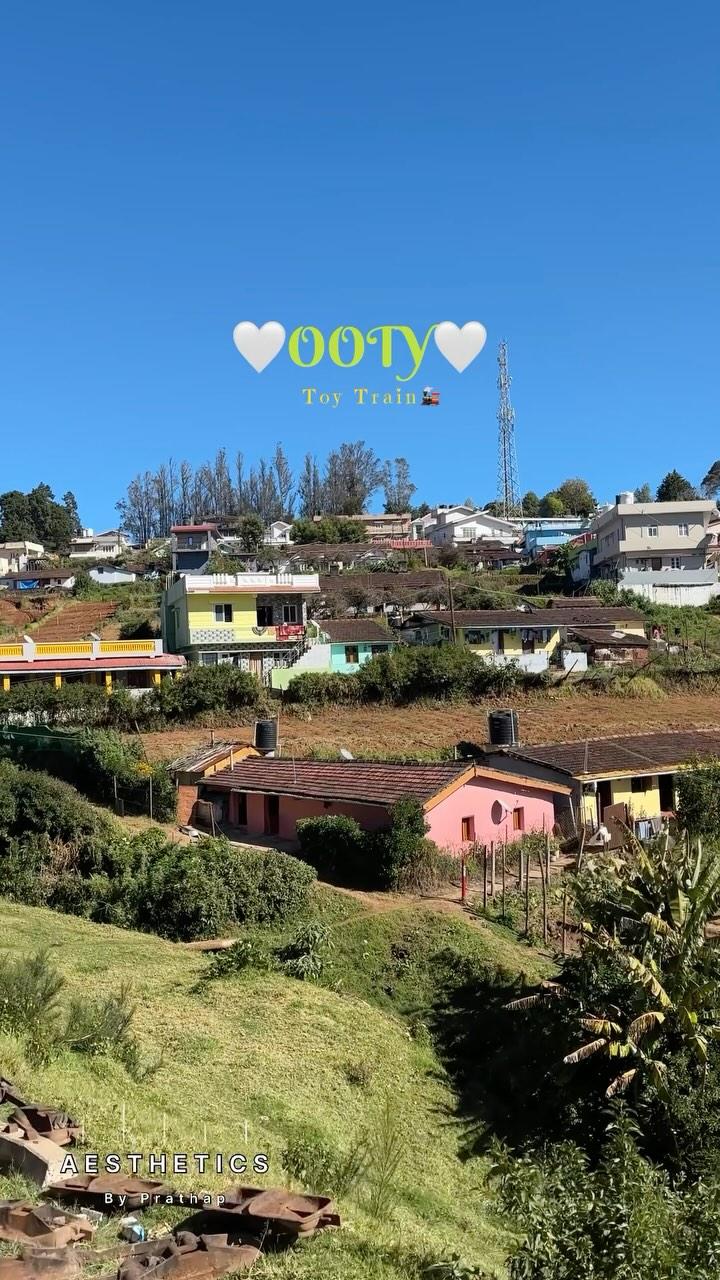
[(509, 501)]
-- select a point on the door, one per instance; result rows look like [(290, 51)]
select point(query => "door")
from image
[(667, 792), (255, 666), (272, 815)]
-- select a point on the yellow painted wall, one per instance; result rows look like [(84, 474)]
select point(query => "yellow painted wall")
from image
[(641, 804), (201, 610), (589, 810)]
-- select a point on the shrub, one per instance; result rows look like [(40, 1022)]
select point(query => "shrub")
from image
[(319, 1167), (336, 846), (200, 890), (403, 845), (304, 957), (100, 763)]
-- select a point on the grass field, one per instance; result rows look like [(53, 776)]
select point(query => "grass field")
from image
[(249, 1058), (544, 717)]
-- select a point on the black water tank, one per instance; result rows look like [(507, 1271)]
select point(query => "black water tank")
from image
[(266, 735), (503, 728)]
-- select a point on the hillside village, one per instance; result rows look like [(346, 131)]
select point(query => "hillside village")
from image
[(379, 757)]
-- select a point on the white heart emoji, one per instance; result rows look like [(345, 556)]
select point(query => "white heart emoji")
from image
[(259, 346), (460, 346)]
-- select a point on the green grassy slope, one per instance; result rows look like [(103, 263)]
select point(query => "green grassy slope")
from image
[(268, 1052)]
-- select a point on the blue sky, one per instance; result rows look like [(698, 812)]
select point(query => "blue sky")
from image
[(171, 169)]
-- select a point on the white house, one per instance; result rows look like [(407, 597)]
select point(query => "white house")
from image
[(17, 555), (98, 546), (461, 525), (109, 576), (277, 534), (661, 550)]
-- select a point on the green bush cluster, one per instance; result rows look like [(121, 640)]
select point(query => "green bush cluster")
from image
[(57, 850), (99, 762), (412, 673), (397, 857), (222, 690)]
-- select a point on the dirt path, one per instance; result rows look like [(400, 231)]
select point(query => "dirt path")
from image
[(543, 718)]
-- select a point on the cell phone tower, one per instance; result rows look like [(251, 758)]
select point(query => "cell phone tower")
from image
[(509, 502)]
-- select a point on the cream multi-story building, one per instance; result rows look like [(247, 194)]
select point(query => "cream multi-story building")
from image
[(657, 549)]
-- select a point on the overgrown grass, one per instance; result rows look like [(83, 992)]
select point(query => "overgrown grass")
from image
[(250, 1059)]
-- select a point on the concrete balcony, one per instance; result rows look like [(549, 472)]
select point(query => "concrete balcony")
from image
[(283, 634)]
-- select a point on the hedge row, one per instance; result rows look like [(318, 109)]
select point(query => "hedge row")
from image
[(57, 850), (198, 691), (411, 673)]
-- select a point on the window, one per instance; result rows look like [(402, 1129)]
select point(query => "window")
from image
[(683, 530), (290, 613), (641, 784), (264, 615), (467, 829), (518, 820), (351, 654), (652, 531), (375, 649), (223, 613), (208, 659), (676, 562)]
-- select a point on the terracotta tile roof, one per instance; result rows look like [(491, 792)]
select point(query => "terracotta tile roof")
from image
[(412, 581), (372, 783), (633, 753), (350, 630), (48, 666), (529, 618)]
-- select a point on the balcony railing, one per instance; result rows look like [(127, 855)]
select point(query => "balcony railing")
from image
[(223, 634)]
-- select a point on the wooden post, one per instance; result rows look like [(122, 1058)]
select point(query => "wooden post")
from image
[(504, 848), (151, 796), (581, 850), (541, 860), (564, 920), (527, 893), (520, 869), (492, 868), (484, 877)]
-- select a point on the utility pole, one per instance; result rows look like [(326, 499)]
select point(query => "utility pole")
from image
[(508, 489), (453, 628)]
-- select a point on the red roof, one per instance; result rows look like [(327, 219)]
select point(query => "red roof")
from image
[(48, 666), (193, 528), (366, 782)]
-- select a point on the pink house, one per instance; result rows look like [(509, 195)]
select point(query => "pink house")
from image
[(463, 802)]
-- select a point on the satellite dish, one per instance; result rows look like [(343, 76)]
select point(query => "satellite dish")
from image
[(346, 755)]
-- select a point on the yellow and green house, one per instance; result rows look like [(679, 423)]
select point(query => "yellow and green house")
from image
[(498, 635), (628, 779), (255, 621)]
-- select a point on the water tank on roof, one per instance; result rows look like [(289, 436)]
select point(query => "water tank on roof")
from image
[(266, 735), (625, 498), (503, 728)]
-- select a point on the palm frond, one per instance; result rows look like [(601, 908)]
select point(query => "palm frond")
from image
[(601, 1026), (620, 1083), (585, 1051), (645, 1022)]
